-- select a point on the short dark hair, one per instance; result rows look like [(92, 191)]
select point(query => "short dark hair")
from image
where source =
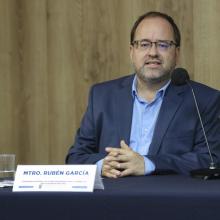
[(153, 14)]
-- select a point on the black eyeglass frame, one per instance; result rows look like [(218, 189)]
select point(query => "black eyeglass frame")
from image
[(168, 42)]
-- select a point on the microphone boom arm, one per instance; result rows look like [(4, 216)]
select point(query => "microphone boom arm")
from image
[(212, 163)]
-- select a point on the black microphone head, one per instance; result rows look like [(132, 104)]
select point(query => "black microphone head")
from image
[(179, 76)]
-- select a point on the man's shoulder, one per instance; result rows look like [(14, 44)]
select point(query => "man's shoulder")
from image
[(205, 95), (198, 88), (122, 81), (204, 89)]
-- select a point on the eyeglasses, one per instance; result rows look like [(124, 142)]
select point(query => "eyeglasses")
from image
[(161, 45)]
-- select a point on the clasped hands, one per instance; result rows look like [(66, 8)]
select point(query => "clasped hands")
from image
[(122, 161)]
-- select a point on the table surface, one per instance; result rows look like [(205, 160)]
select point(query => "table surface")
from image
[(146, 197)]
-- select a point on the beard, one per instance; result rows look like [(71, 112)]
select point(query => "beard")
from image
[(154, 76)]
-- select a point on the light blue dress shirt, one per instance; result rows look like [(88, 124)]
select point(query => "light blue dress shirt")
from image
[(144, 119), (143, 123)]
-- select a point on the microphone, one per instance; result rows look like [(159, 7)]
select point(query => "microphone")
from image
[(180, 77)]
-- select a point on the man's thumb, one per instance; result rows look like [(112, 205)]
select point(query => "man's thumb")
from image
[(123, 144)]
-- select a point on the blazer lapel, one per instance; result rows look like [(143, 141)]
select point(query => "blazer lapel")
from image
[(124, 109), (171, 103)]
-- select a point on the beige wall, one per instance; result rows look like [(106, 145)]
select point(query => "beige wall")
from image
[(52, 51)]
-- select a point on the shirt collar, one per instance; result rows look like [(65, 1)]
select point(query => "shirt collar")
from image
[(160, 92)]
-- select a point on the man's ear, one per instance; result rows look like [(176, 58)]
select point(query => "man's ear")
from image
[(177, 55), (131, 53)]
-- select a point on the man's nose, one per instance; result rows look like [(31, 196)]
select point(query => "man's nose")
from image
[(153, 50)]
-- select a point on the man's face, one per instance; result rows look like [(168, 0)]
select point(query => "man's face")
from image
[(154, 65)]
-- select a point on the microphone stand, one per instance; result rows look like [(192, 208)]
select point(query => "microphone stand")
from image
[(207, 173)]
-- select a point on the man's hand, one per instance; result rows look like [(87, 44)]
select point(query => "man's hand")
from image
[(110, 166), (122, 162)]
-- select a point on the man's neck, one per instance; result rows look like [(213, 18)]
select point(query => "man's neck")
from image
[(148, 91)]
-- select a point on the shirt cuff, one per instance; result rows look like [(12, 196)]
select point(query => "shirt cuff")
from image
[(149, 166), (99, 167)]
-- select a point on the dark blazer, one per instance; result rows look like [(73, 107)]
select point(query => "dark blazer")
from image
[(178, 143)]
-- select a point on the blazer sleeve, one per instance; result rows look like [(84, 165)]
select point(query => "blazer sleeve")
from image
[(85, 149)]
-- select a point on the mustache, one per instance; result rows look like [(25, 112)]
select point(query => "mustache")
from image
[(155, 60)]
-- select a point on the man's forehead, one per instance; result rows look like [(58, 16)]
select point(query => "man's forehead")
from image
[(156, 26)]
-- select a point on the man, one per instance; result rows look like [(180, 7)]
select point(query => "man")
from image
[(142, 124)]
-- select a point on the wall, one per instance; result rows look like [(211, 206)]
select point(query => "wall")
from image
[(52, 51)]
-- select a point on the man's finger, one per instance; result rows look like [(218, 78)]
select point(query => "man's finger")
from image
[(114, 164), (126, 172), (110, 158), (113, 153), (109, 175), (124, 145), (110, 172), (123, 158), (123, 166), (113, 150), (106, 166)]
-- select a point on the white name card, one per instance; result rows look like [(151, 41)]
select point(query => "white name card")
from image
[(70, 178)]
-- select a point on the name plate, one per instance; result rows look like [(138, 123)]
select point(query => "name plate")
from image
[(69, 178)]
